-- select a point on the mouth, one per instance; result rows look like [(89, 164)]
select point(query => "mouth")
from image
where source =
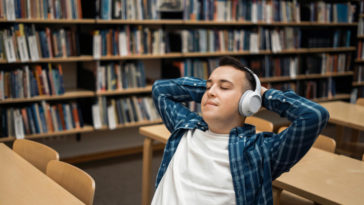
[(210, 103)]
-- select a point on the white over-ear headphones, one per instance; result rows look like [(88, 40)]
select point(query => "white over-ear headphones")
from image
[(250, 101)]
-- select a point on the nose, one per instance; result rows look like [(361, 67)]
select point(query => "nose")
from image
[(212, 91)]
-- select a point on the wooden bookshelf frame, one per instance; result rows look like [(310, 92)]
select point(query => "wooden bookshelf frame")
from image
[(49, 21), (52, 60), (74, 94), (147, 89), (131, 124), (84, 129), (358, 84), (305, 77)]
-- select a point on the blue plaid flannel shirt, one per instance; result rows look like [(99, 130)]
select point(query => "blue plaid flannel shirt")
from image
[(255, 159)]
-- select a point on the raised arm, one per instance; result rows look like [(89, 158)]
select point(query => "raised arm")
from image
[(308, 119), (168, 96)]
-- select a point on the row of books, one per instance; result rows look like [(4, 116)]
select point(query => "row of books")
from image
[(39, 118), (126, 41), (25, 43), (119, 76), (359, 77), (324, 12), (272, 66), (126, 9), (208, 40), (27, 82), (40, 9), (253, 11), (360, 50), (332, 38), (360, 27), (113, 112), (312, 89)]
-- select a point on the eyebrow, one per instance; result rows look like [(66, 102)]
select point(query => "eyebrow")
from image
[(220, 81)]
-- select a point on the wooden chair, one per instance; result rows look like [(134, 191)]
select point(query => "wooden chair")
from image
[(73, 179), (282, 197), (260, 124), (36, 153), (322, 142)]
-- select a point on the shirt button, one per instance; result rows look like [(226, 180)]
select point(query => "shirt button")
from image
[(284, 100), (241, 136), (270, 97), (186, 126), (194, 84)]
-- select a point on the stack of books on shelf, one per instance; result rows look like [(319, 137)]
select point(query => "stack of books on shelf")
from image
[(28, 82), (126, 9), (252, 40), (118, 76), (325, 12), (25, 43), (253, 11), (50, 9), (39, 118), (122, 111), (127, 40)]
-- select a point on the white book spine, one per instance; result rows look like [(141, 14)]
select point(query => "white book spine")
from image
[(111, 117), (97, 46), (34, 55), (96, 118), (18, 124), (23, 49)]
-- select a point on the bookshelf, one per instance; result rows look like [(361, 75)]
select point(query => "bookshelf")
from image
[(358, 81), (92, 21)]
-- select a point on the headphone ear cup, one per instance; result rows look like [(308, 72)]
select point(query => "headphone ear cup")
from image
[(249, 103)]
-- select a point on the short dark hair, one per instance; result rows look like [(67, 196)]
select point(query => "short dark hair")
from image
[(235, 63)]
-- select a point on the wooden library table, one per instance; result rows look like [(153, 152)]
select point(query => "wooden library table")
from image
[(325, 178), (344, 114), (22, 183)]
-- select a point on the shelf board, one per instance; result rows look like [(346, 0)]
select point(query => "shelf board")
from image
[(185, 55), (72, 94), (141, 56), (146, 89), (359, 60), (360, 37), (84, 129), (140, 22), (358, 84), (53, 60), (304, 77), (50, 21), (131, 124), (336, 97)]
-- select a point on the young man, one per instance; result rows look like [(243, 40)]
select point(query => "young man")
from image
[(218, 159)]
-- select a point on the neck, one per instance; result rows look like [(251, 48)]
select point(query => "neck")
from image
[(224, 128)]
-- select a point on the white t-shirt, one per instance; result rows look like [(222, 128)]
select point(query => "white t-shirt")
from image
[(199, 172)]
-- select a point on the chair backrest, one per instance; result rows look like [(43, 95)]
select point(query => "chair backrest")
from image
[(360, 101), (325, 143), (322, 142), (73, 179), (282, 128), (260, 124), (36, 153)]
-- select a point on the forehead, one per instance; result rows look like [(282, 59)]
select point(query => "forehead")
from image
[(228, 73)]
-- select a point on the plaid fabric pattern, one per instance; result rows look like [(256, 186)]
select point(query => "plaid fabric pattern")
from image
[(255, 159)]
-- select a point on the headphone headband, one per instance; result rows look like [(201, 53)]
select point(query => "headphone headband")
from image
[(256, 79)]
